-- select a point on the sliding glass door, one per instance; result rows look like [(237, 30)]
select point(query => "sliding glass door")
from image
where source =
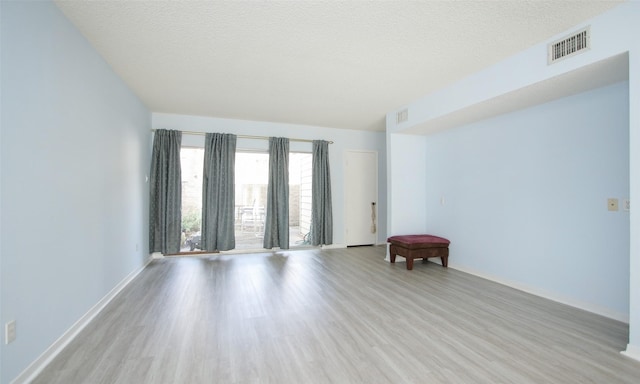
[(252, 170), (252, 173), (192, 160)]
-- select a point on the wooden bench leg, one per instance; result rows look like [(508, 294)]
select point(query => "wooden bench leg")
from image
[(392, 257), (409, 263), (445, 261)]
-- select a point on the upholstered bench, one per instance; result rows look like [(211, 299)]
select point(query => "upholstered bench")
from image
[(418, 247)]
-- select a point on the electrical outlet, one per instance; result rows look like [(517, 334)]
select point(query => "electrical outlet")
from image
[(10, 332), (626, 204), (612, 204)]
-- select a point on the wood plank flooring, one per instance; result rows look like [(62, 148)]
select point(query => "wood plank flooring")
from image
[(336, 316)]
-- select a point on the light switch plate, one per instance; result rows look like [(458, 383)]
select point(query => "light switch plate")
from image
[(10, 332), (612, 204)]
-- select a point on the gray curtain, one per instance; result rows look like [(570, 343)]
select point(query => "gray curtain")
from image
[(165, 205), (276, 227), (218, 192), (321, 208)]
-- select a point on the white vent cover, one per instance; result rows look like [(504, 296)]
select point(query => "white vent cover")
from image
[(569, 46), (402, 116)]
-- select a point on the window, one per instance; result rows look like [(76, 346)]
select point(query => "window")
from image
[(252, 177)]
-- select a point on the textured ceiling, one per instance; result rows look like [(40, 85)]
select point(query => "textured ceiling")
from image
[(341, 64)]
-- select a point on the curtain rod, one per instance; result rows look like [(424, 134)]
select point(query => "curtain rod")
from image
[(245, 136)]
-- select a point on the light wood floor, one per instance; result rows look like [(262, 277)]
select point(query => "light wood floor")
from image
[(336, 316)]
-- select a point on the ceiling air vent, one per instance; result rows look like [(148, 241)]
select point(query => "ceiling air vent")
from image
[(569, 46), (402, 116)]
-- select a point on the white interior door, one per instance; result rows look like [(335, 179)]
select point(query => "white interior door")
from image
[(361, 202)]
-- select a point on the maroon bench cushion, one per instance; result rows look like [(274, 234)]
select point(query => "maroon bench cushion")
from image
[(419, 241)]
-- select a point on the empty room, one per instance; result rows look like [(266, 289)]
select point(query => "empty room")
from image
[(236, 191)]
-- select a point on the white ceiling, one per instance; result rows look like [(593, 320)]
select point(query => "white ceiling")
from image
[(340, 64)]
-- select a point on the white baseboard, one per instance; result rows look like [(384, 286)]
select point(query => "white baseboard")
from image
[(606, 312), (30, 373), (632, 352), (334, 246)]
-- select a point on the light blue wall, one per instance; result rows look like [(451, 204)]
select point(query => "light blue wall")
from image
[(405, 171), (74, 154), (344, 140), (525, 198), (1, 214), (633, 348)]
